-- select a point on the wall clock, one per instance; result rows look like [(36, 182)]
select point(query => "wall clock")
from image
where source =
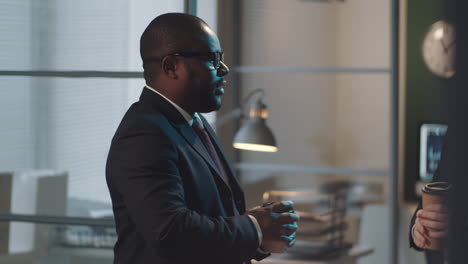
[(438, 49)]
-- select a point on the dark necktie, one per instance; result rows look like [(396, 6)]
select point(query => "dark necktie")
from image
[(205, 138)]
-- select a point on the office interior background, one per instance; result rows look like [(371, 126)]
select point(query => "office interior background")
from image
[(70, 69)]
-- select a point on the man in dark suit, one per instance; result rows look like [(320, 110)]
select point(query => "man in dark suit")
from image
[(175, 197)]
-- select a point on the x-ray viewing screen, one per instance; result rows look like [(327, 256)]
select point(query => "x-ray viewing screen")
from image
[(431, 143)]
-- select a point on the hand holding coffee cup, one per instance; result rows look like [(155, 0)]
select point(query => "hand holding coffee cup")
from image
[(432, 220), (278, 224)]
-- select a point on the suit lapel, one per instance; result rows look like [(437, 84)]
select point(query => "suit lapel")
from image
[(233, 185), (222, 155), (189, 134), (153, 100)]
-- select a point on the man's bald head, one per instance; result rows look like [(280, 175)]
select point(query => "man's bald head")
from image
[(169, 33)]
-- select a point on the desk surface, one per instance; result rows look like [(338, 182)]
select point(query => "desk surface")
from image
[(353, 254)]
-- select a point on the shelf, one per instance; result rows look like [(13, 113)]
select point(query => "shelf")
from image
[(349, 258)]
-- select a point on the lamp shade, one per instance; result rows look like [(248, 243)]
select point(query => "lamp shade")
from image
[(255, 135)]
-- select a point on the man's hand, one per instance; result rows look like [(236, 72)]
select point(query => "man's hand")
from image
[(431, 222), (278, 224)]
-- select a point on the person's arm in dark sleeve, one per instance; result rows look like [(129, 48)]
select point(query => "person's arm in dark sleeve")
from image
[(145, 172)]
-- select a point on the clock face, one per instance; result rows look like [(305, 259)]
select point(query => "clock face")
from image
[(438, 49)]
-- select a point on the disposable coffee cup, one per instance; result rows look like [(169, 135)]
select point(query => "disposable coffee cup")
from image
[(435, 193), (276, 246)]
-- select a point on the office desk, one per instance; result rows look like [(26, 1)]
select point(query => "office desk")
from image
[(350, 258)]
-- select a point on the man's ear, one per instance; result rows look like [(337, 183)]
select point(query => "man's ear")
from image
[(169, 66)]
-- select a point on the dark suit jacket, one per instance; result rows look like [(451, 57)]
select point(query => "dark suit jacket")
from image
[(169, 200)]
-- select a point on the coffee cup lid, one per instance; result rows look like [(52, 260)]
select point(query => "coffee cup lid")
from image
[(439, 188)]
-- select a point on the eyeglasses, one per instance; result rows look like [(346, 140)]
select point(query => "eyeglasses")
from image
[(217, 57)]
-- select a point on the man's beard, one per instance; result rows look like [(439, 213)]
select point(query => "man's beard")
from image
[(207, 100)]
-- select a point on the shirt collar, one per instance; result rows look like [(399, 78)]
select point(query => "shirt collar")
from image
[(184, 113)]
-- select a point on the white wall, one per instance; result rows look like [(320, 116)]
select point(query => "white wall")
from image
[(362, 128), (320, 119), (302, 105)]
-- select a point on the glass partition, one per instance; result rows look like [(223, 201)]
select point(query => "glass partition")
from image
[(86, 35), (69, 70)]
